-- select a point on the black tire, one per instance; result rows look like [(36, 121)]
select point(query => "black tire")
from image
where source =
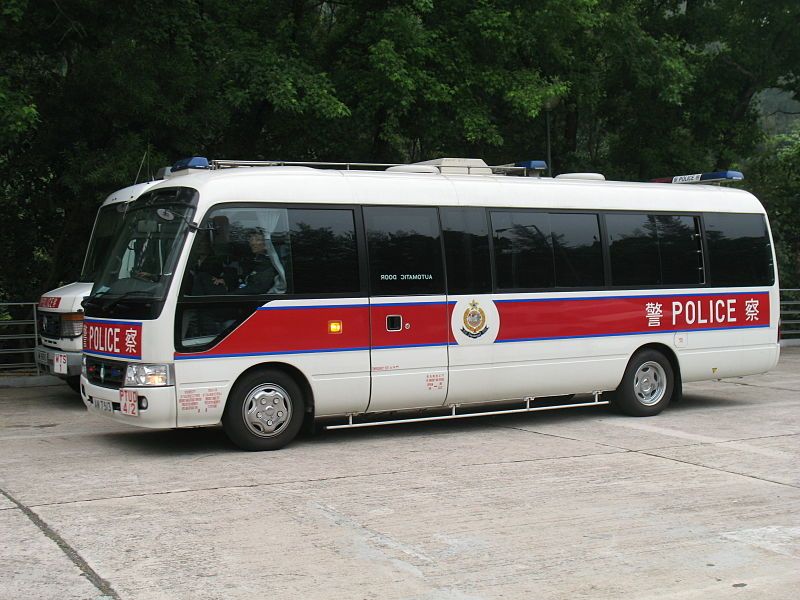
[(647, 385), (264, 411), (74, 382)]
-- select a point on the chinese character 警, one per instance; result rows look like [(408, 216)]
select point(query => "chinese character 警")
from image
[(654, 312)]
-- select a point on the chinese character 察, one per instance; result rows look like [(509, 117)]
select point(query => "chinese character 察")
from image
[(751, 309)]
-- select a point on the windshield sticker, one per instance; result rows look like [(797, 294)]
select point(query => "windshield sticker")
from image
[(113, 338)]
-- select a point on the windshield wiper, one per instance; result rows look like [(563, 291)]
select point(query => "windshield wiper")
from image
[(118, 299)]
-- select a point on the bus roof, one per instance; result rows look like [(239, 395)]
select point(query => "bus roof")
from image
[(299, 184)]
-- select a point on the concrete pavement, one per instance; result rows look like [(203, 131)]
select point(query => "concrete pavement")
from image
[(702, 501)]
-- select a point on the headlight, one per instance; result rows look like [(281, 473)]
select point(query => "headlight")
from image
[(71, 324), (83, 366), (140, 375)]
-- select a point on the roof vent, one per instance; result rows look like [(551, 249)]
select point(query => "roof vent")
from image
[(458, 166), (582, 176), (414, 168)]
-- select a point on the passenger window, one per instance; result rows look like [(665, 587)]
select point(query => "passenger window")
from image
[(263, 251), (523, 252), (405, 252), (633, 245), (578, 250), (655, 250), (680, 248), (739, 250), (324, 256), (466, 248)]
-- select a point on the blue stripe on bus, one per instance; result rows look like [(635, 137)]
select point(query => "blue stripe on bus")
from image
[(236, 355), (136, 356), (104, 322)]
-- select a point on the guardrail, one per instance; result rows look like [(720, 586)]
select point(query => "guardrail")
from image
[(790, 314), (19, 332)]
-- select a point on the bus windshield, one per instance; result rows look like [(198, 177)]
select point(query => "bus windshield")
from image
[(139, 262), (106, 226)]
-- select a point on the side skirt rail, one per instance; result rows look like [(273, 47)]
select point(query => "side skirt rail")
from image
[(454, 414)]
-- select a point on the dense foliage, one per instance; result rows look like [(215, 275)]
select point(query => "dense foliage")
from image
[(632, 88)]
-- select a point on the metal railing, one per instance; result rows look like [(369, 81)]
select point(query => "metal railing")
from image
[(19, 334), (790, 314)]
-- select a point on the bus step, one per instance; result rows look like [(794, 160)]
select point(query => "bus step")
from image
[(454, 414)]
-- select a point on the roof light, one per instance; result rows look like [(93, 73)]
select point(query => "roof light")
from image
[(194, 162), (533, 165), (715, 177)]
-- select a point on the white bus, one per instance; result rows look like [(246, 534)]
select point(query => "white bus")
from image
[(59, 312), (260, 296)]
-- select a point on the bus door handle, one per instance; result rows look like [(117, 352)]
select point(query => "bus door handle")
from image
[(394, 323)]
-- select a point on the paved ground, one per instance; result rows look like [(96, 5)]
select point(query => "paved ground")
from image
[(700, 502)]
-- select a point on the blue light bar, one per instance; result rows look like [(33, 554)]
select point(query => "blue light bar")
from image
[(715, 177), (533, 165), (194, 162)]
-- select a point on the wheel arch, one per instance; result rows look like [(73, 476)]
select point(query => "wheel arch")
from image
[(290, 370)]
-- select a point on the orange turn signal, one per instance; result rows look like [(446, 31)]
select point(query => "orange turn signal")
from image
[(334, 327)]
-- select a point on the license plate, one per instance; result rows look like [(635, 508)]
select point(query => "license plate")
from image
[(41, 357), (60, 363), (104, 405), (129, 403)]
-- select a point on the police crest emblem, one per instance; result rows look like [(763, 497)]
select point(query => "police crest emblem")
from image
[(474, 321)]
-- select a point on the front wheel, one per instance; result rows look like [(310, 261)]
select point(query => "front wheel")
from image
[(647, 385), (264, 410)]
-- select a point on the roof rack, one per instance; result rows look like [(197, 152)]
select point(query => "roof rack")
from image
[(465, 166)]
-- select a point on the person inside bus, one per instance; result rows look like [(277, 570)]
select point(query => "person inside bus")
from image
[(262, 272)]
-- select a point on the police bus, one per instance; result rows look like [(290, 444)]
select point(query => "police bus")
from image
[(260, 295)]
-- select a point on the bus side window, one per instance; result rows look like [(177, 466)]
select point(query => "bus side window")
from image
[(633, 245), (405, 253), (466, 247), (523, 250), (578, 250), (739, 249)]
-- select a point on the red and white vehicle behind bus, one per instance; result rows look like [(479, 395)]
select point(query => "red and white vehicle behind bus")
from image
[(59, 313), (258, 296)]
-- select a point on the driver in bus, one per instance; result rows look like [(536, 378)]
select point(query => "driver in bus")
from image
[(262, 272)]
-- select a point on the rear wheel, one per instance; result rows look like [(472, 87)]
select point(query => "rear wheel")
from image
[(264, 410), (647, 385)]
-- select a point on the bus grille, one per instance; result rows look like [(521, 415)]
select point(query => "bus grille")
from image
[(105, 373), (49, 324)]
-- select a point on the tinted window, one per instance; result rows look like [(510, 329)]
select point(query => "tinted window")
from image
[(324, 258), (633, 245), (405, 252), (466, 246), (680, 249), (739, 250), (578, 251), (258, 250), (655, 250), (522, 250)]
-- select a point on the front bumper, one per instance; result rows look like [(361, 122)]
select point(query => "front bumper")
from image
[(45, 357), (159, 414)]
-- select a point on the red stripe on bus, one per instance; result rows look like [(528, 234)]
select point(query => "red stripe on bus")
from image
[(618, 316)]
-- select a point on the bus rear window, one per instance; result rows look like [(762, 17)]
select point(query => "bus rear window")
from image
[(739, 250)]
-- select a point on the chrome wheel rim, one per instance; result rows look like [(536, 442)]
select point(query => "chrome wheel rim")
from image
[(649, 383), (267, 410)]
